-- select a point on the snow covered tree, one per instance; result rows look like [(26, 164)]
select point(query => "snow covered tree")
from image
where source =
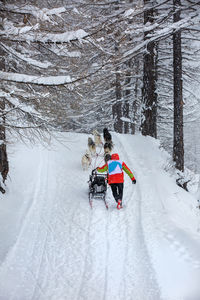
[(79, 66)]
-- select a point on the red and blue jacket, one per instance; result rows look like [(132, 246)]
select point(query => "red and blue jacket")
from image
[(115, 168)]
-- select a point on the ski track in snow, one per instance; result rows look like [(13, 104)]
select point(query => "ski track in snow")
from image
[(66, 251)]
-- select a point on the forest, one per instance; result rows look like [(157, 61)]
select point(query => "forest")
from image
[(131, 66)]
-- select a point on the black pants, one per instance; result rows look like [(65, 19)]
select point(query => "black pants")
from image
[(117, 190)]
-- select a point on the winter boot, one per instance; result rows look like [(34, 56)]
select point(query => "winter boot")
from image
[(119, 204)]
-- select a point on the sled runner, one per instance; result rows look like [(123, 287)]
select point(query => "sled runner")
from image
[(97, 187)]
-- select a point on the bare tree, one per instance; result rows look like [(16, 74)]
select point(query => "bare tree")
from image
[(178, 145), (149, 122), (4, 166)]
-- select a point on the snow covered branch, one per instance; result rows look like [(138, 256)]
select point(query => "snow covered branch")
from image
[(42, 14), (32, 34), (45, 80)]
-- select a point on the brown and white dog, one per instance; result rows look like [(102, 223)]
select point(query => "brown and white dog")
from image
[(92, 146), (86, 160), (97, 138)]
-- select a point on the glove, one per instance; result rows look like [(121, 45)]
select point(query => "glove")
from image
[(134, 181)]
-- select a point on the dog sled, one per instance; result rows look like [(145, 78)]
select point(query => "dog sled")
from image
[(97, 187)]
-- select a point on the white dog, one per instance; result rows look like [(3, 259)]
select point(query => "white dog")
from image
[(86, 160), (97, 138)]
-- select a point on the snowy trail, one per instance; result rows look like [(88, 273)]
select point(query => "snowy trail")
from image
[(66, 251), (170, 244), (138, 265)]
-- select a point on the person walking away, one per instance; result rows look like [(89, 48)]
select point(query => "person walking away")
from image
[(115, 168)]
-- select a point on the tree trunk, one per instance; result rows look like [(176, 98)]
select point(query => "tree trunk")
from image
[(4, 168), (117, 106), (136, 96), (126, 106), (3, 152), (178, 146), (149, 95)]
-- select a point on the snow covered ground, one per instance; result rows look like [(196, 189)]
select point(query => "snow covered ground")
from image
[(54, 247)]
